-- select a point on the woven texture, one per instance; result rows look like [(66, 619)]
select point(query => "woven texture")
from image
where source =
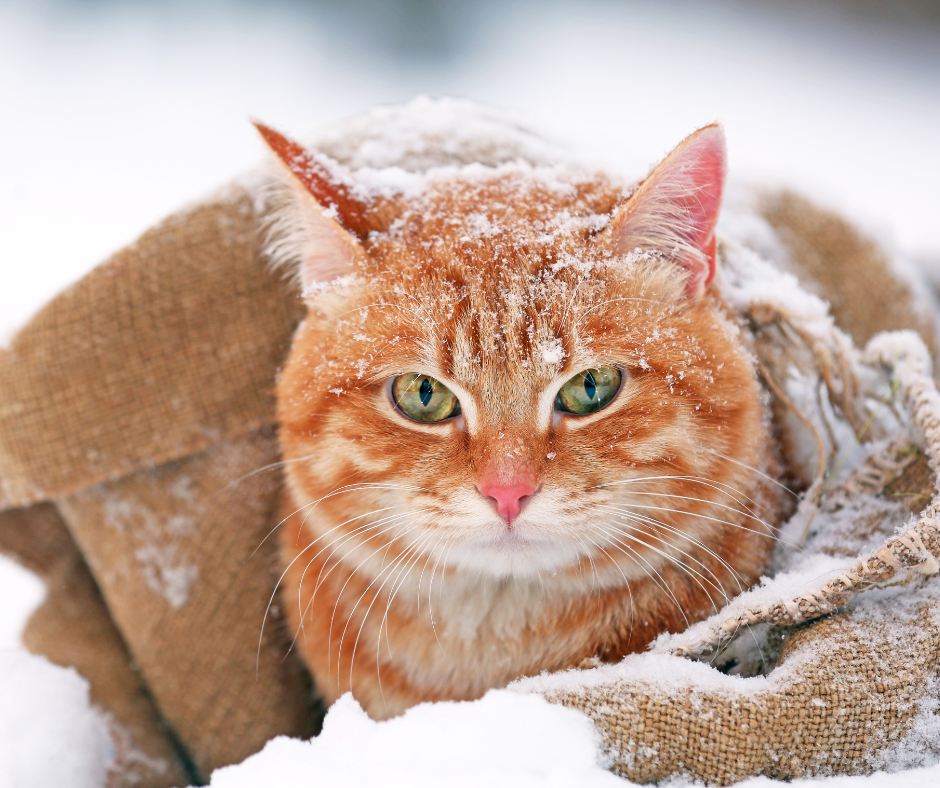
[(160, 352), (822, 246), (850, 693)]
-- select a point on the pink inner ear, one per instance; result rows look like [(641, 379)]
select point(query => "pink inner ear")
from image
[(702, 165), (676, 208)]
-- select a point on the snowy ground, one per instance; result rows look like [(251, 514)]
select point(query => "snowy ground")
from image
[(114, 115)]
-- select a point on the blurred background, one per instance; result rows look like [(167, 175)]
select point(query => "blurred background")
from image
[(115, 113)]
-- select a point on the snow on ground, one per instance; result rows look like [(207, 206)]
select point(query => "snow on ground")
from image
[(503, 739), (49, 733), (124, 112)]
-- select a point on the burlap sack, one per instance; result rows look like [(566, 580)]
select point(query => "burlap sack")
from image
[(136, 437), (140, 404)]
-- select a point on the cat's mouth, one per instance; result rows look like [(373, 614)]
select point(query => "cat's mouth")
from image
[(517, 551)]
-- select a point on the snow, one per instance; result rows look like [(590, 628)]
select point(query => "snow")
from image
[(503, 739), (662, 673), (49, 732), (552, 351), (125, 115), (160, 543), (21, 592), (389, 142)]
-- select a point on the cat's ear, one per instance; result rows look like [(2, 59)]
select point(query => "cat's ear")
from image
[(320, 233), (675, 210)]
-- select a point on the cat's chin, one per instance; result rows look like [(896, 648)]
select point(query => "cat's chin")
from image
[(513, 555)]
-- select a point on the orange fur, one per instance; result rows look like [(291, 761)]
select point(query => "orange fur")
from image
[(402, 582)]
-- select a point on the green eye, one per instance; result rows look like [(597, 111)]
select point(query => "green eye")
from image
[(423, 398), (589, 391)]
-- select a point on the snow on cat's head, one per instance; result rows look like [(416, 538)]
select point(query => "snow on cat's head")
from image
[(514, 369)]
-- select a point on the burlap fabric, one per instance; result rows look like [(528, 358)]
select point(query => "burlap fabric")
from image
[(136, 435), (139, 406)]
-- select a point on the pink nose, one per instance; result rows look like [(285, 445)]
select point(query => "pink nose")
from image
[(508, 498)]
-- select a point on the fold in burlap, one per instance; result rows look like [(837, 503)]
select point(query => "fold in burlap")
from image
[(851, 692), (865, 290), (135, 440)]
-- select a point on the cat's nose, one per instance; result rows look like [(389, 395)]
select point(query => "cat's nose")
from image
[(508, 498)]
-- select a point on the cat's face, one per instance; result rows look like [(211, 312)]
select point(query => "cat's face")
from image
[(495, 384)]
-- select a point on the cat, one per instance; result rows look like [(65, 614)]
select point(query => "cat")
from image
[(520, 427)]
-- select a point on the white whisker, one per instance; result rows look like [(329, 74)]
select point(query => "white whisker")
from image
[(645, 520), (691, 572), (760, 473)]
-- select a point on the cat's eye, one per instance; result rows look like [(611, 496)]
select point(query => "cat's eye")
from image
[(422, 398), (589, 391)]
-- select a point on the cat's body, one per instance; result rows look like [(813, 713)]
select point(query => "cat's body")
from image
[(432, 560)]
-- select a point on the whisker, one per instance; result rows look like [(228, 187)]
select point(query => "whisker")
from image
[(339, 491), (644, 519), (355, 607), (705, 482), (261, 543), (707, 502), (342, 538), (431, 591), (382, 624), (732, 492), (663, 586), (705, 517), (339, 541), (626, 582), (689, 571), (759, 472), (650, 524), (320, 577), (418, 549), (365, 616), (590, 558)]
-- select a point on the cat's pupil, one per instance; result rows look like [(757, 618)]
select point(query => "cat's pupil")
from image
[(425, 391), (590, 386)]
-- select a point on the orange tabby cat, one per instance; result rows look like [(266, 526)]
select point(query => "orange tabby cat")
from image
[(519, 428)]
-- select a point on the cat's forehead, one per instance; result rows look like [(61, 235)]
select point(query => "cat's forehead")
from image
[(494, 257), (502, 237), (495, 282), (507, 219)]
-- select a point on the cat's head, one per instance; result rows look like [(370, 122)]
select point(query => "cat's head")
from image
[(515, 369)]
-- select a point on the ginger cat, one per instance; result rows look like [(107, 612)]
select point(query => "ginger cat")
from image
[(520, 428)]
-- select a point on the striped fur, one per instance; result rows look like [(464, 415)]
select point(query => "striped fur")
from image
[(401, 581)]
